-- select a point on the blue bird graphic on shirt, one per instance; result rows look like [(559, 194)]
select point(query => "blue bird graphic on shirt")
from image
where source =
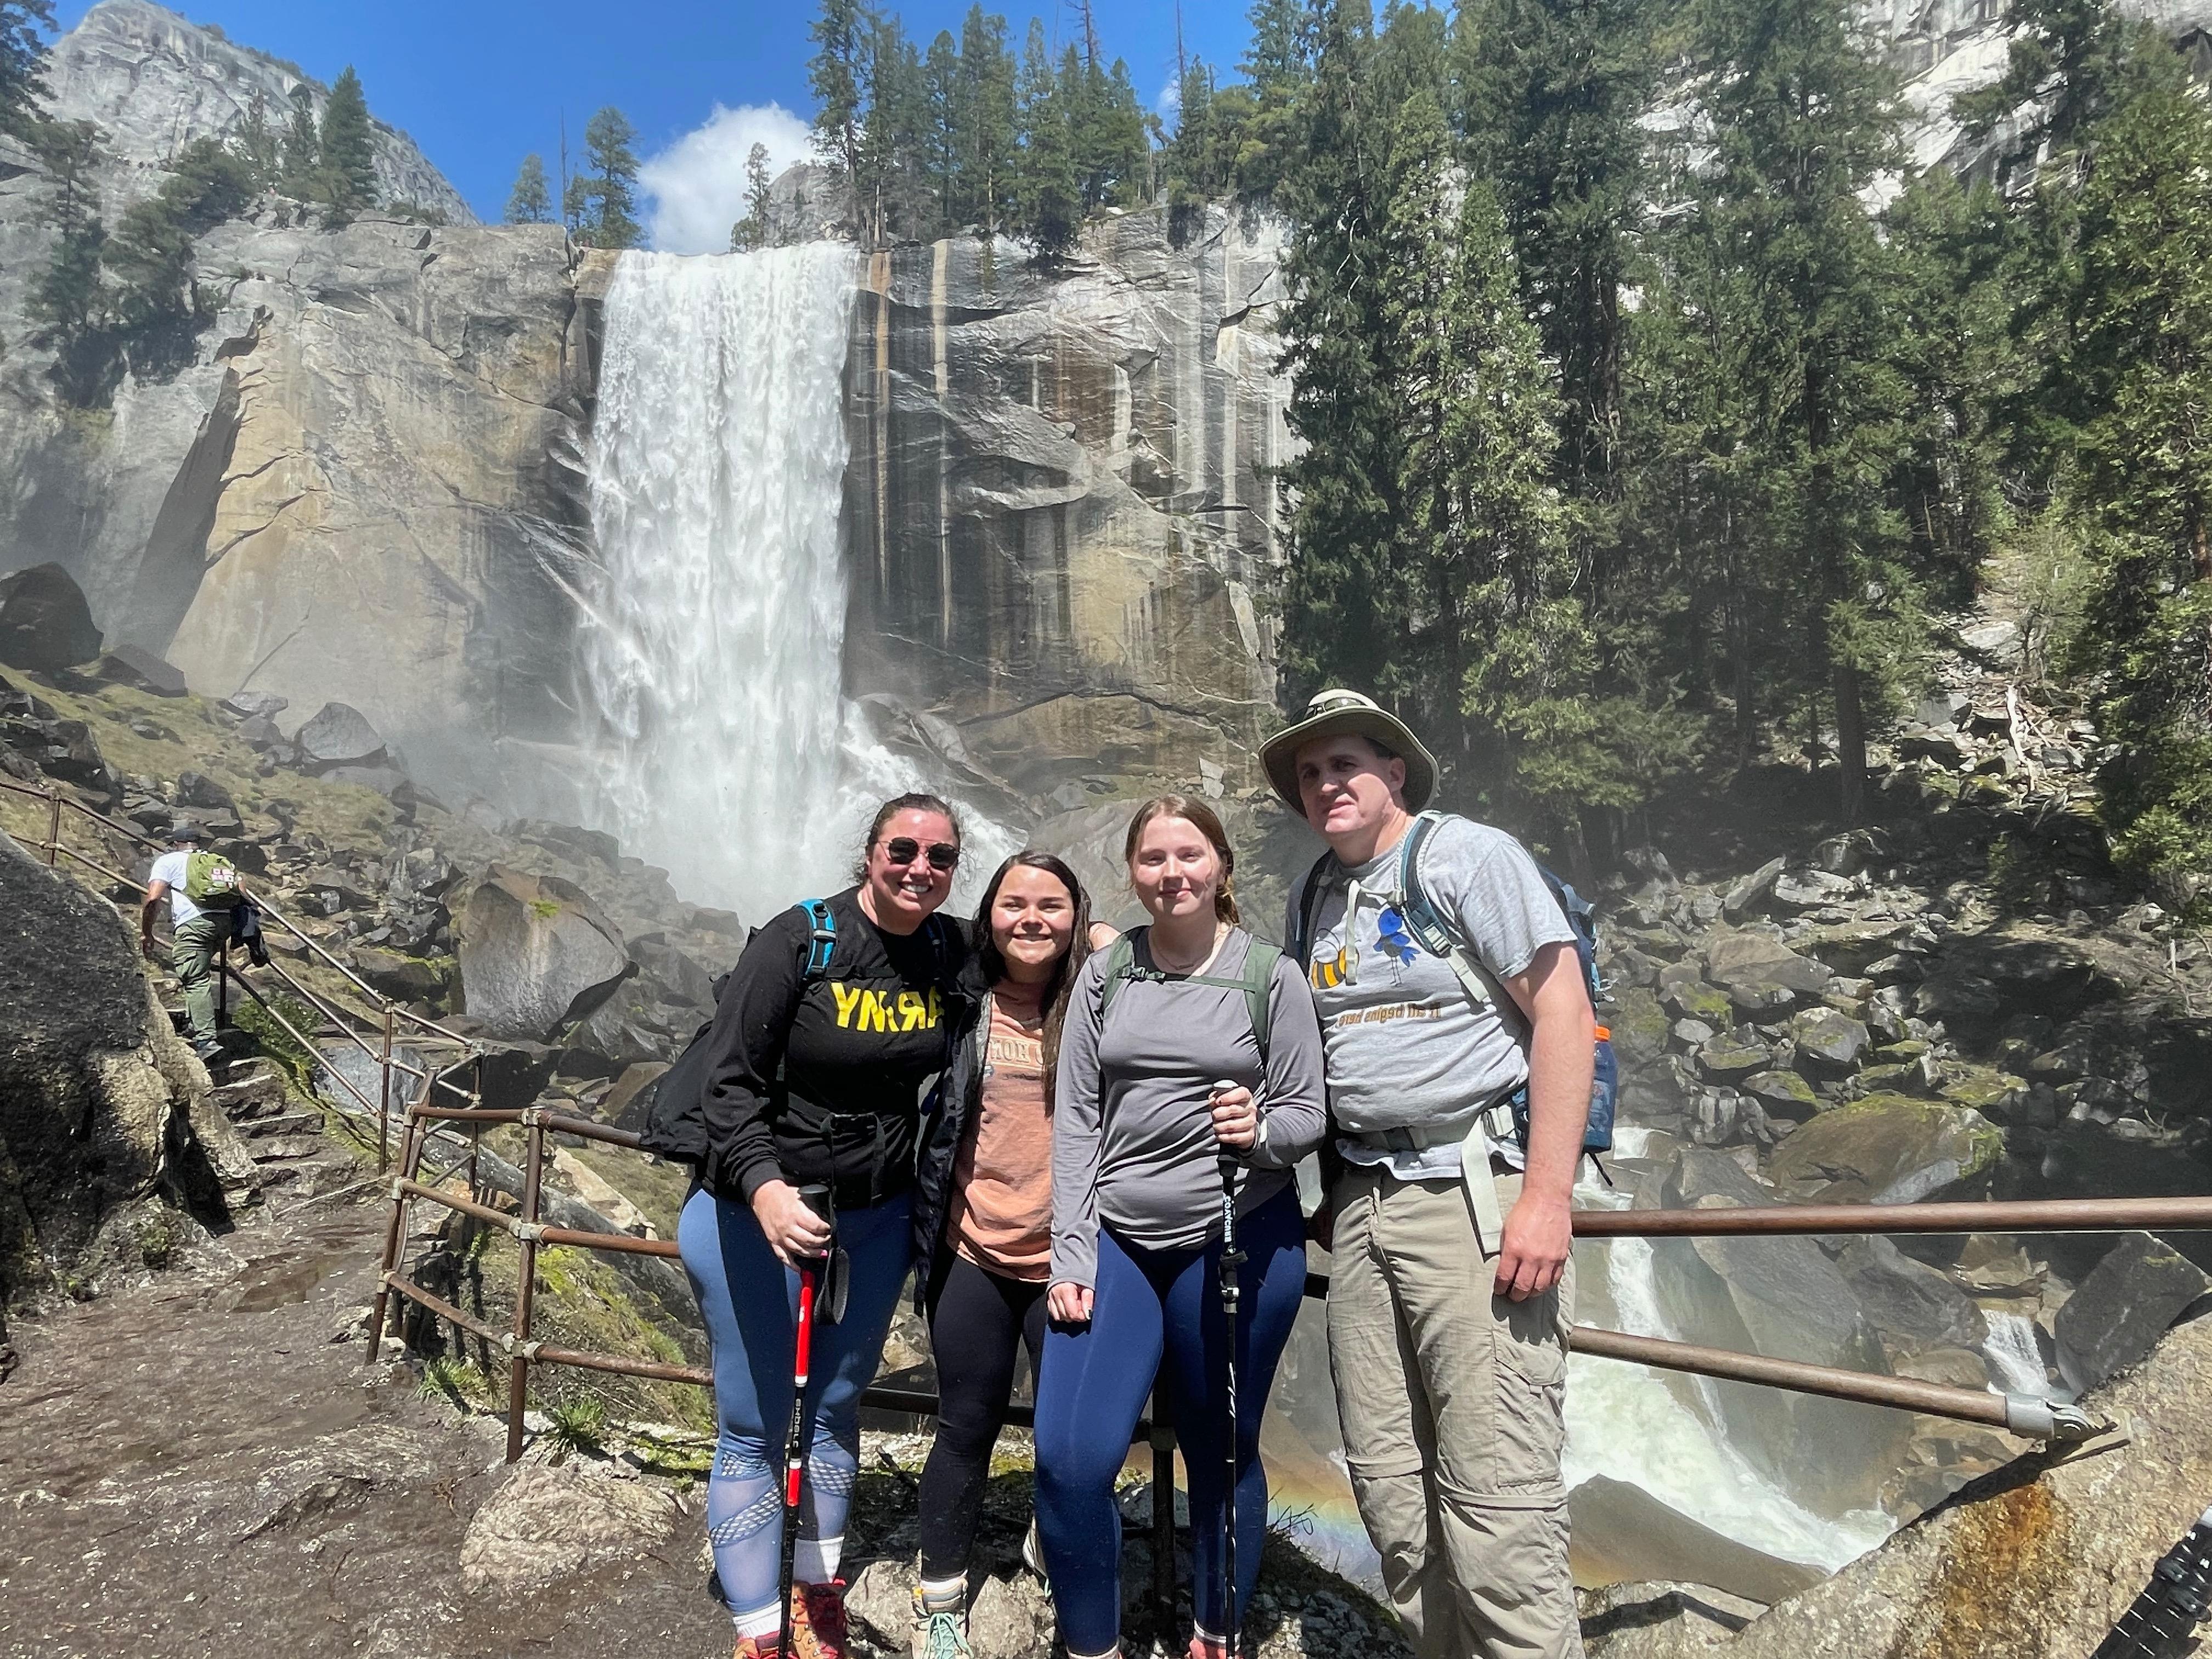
[(1393, 940)]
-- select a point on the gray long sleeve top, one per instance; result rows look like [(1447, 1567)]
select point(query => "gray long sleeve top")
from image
[(1133, 1140)]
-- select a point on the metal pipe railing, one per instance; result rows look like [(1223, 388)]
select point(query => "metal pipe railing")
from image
[(2041, 1215)]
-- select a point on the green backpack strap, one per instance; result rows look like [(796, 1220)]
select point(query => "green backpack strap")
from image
[(1259, 973), (1120, 961)]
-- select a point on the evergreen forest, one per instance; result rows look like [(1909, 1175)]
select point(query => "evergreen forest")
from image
[(1657, 410)]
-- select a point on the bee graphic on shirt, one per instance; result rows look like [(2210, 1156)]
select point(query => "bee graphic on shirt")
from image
[(1393, 943)]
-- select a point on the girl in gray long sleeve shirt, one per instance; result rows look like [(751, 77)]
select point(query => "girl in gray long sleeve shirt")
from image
[(1138, 1136), (1132, 1141)]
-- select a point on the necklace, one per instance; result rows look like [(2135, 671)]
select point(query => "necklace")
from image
[(1161, 961)]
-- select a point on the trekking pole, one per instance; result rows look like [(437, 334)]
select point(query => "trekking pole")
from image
[(1231, 1259), (2172, 1605), (794, 1445)]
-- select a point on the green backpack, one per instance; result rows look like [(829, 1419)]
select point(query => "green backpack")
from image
[(211, 881), (1258, 968)]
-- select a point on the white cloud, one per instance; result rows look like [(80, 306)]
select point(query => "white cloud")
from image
[(1168, 106), (698, 183)]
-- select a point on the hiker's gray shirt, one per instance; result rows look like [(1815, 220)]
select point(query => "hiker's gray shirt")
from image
[(1133, 1142), (1406, 1045)]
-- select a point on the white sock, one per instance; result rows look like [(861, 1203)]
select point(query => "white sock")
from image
[(945, 1595), (757, 1622), (1113, 1652), (814, 1560)]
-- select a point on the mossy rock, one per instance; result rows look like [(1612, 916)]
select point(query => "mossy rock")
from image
[(1639, 1023), (1699, 1000), (1783, 1093), (1985, 1089), (1893, 1148), (1903, 1077)]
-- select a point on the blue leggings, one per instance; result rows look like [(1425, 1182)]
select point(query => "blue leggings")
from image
[(1092, 1389), (750, 1303)]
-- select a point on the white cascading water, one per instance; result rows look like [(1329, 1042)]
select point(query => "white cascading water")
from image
[(2016, 1357), (725, 750)]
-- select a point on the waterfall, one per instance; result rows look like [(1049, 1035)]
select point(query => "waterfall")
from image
[(711, 662), (2016, 1357)]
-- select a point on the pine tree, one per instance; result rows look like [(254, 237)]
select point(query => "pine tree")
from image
[(891, 185), (68, 301), (1554, 93), (530, 202), (302, 148), (603, 195), (983, 120), (751, 231), (22, 62), (940, 159), (2065, 68), (1277, 67), (152, 250), (257, 145), (1051, 204), (837, 75), (2133, 380), (347, 144)]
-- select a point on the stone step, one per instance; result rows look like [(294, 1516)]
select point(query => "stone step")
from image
[(285, 1149), (284, 1124)]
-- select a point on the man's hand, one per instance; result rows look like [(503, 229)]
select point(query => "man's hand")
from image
[(1540, 1232), (145, 947), (1068, 1304)]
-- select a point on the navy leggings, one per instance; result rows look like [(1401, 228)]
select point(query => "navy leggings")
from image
[(750, 1303), (1148, 1305)]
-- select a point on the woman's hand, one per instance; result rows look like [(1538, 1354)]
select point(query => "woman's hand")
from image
[(789, 1222), (1235, 1119), (1068, 1304)]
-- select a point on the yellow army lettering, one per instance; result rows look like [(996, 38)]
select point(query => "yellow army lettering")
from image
[(860, 1009)]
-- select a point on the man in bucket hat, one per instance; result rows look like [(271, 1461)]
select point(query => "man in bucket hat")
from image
[(200, 925), (1452, 1283)]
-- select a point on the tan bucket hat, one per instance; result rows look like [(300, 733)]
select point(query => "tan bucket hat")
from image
[(1331, 713)]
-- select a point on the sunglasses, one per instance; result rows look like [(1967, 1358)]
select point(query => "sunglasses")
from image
[(905, 849)]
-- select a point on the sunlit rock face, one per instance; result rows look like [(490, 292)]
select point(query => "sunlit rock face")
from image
[(153, 83), (1062, 522)]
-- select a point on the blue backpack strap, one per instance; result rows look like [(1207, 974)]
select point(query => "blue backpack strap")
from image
[(822, 940)]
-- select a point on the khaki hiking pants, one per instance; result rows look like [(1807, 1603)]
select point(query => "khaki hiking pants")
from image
[(1451, 1401)]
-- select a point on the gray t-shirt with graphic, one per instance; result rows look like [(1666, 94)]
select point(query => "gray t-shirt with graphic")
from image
[(1405, 1044)]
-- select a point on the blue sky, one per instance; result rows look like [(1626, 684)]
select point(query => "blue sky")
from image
[(479, 83)]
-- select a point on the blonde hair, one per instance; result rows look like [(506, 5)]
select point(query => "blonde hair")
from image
[(1202, 818)]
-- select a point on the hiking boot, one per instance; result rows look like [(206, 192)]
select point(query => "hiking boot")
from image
[(1033, 1554), (759, 1647), (1207, 1647), (941, 1636), (817, 1620)]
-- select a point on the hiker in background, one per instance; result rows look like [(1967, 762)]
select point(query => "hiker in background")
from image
[(202, 891), (1158, 1024), (1452, 1286), (982, 1209), (834, 1019)]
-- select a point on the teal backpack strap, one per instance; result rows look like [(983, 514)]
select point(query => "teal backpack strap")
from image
[(822, 940)]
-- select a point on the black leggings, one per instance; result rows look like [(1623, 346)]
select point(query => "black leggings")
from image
[(978, 1323)]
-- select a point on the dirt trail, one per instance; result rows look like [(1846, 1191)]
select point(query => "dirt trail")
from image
[(192, 1467)]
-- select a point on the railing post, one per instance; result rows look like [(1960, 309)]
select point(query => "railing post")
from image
[(223, 984), (1163, 1576), (53, 828), (384, 1102), (526, 1286), (395, 1236)]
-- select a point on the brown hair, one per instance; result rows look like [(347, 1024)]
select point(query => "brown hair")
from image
[(913, 801), (1058, 988), (1202, 818)]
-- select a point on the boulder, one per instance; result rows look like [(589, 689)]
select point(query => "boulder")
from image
[(1746, 892), (1781, 1094), (202, 793), (402, 977), (134, 665), (101, 1105), (2121, 1309), (1806, 890), (1760, 962), (631, 1090), (1958, 997), (1943, 746), (1622, 1534), (1781, 1297), (249, 705), (674, 974), (1890, 1149), (386, 780), (1831, 1040), (2036, 1560), (531, 947), (544, 1523), (1729, 1057), (338, 735), (45, 623), (1902, 1297)]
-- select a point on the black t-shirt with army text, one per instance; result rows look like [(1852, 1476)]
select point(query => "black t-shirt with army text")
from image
[(821, 1080)]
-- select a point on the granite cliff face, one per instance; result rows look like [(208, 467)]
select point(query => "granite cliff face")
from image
[(153, 83), (1061, 523)]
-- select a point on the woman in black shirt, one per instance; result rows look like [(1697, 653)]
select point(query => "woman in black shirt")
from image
[(833, 1019)]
